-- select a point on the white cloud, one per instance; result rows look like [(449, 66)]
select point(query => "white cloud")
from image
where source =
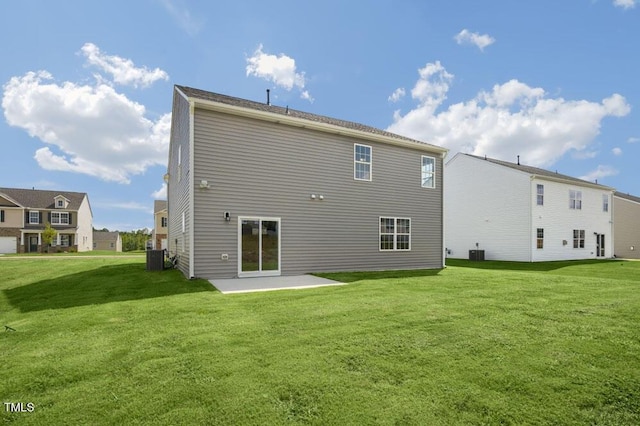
[(616, 151), (599, 173), (625, 4), (397, 94), (512, 119), (91, 130), (633, 140), (281, 70), (183, 17), (122, 70), (480, 41), (160, 194)]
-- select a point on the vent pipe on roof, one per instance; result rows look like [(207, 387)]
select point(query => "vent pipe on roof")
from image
[(518, 160), (268, 100)]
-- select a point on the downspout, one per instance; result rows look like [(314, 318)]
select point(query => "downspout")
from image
[(443, 207), (191, 189)]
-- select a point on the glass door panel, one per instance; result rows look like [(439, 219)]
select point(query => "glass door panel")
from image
[(270, 246), (250, 245)]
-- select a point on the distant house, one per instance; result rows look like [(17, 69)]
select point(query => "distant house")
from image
[(509, 211), (104, 240), (24, 214), (626, 221), (258, 190), (160, 221)]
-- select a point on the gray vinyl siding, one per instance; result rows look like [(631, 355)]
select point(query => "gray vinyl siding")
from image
[(257, 168), (626, 219), (178, 189)]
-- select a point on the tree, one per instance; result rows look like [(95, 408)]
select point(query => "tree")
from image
[(48, 235)]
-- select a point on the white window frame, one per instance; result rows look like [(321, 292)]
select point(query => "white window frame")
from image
[(578, 241), (357, 162), (426, 174), (539, 194), (575, 199), (64, 240), (31, 216), (395, 233), (539, 238), (184, 223), (60, 204), (59, 215), (605, 203)]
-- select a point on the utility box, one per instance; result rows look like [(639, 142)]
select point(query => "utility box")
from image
[(155, 260), (476, 254)]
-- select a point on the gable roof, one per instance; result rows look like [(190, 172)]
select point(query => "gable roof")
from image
[(298, 118), (105, 236), (159, 205), (542, 173), (42, 199), (627, 197)]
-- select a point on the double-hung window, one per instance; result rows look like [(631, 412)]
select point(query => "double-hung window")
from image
[(428, 172), (575, 199), (34, 217), (578, 238), (395, 234), (163, 221), (540, 238), (362, 162), (605, 203), (540, 195), (59, 218)]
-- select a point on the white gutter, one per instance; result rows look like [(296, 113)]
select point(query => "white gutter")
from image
[(191, 189)]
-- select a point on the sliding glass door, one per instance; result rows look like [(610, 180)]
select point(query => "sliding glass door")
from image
[(258, 246)]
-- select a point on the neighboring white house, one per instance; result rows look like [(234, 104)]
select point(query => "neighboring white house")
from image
[(521, 213)]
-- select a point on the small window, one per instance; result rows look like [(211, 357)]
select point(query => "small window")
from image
[(428, 172), (575, 199), (64, 240), (605, 203), (95, 245), (578, 238), (34, 217), (184, 223), (540, 238), (1, 215), (60, 204), (395, 234), (540, 195), (361, 162), (163, 222)]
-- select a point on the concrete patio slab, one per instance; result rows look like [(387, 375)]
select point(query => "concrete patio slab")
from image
[(293, 282)]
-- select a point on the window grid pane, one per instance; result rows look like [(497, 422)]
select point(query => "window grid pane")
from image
[(395, 233), (428, 172), (362, 162)]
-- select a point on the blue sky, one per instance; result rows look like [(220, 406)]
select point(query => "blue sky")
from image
[(87, 86)]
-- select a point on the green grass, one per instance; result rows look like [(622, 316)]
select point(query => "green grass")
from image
[(102, 341)]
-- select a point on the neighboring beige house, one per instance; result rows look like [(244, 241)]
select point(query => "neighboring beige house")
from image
[(24, 214), (160, 216), (104, 240), (626, 221)]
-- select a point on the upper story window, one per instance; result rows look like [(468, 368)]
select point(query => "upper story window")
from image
[(605, 203), (428, 172), (163, 222), (540, 195), (575, 199), (60, 204), (395, 233), (361, 162), (59, 218), (179, 163), (34, 217), (1, 215)]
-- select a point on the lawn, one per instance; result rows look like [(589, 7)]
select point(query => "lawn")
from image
[(102, 341)]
